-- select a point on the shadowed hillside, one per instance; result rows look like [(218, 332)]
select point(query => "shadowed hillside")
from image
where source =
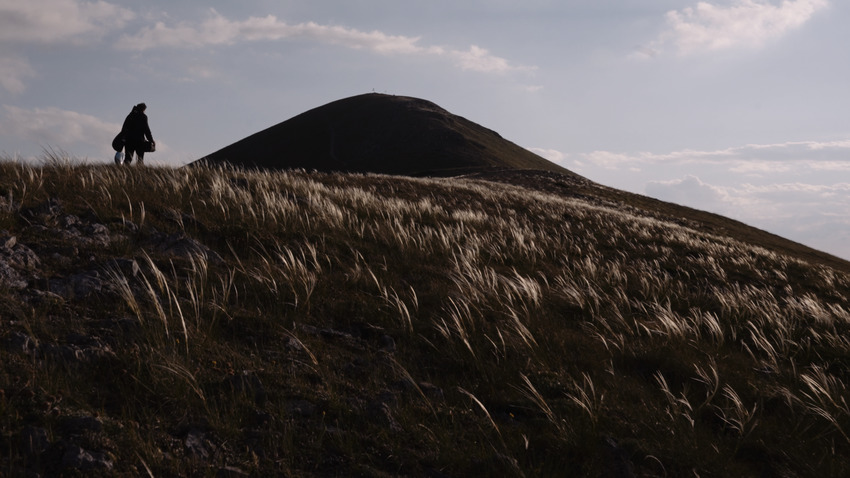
[(224, 322), (383, 134)]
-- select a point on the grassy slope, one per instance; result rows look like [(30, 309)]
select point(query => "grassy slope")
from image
[(577, 186), (341, 324)]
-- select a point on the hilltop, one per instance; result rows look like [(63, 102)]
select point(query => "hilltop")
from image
[(226, 322), (384, 134)]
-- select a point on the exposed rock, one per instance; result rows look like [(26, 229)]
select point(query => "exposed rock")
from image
[(10, 278), (23, 258), (195, 444), (22, 343), (230, 472), (85, 235), (291, 343), (98, 234), (70, 221), (78, 286), (335, 334), (65, 258), (77, 458), (15, 259)]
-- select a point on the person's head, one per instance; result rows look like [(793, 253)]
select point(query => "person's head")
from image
[(141, 107)]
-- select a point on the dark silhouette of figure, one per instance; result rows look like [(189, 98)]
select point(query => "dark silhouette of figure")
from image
[(136, 134)]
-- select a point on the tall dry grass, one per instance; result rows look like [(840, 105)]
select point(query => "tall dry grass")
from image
[(548, 321)]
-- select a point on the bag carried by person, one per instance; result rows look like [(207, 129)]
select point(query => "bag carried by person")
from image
[(118, 142), (149, 146)]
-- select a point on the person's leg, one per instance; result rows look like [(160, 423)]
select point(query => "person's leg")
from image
[(140, 157), (128, 154)]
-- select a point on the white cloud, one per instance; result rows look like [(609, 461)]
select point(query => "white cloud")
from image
[(611, 160), (795, 195), (551, 154), (54, 21), (845, 144), (814, 214), (56, 127), (478, 59), (797, 189), (768, 158), (760, 167), (218, 30), (13, 73), (532, 88), (743, 23), (843, 166), (689, 191)]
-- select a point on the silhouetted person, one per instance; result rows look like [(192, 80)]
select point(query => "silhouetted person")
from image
[(136, 133)]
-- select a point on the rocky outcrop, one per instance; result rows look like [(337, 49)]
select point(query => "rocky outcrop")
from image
[(65, 265)]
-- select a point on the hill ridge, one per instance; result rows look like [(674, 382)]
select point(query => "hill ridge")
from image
[(379, 133)]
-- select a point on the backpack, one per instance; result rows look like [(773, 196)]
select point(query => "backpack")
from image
[(118, 142)]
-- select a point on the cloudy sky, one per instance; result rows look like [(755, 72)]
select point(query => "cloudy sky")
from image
[(738, 107)]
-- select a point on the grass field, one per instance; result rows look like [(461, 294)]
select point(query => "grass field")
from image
[(221, 322)]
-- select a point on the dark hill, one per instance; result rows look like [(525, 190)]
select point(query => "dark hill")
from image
[(380, 133)]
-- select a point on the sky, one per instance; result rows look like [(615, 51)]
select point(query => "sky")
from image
[(738, 107)]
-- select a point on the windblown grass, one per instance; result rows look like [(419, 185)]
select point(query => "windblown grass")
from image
[(497, 330)]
